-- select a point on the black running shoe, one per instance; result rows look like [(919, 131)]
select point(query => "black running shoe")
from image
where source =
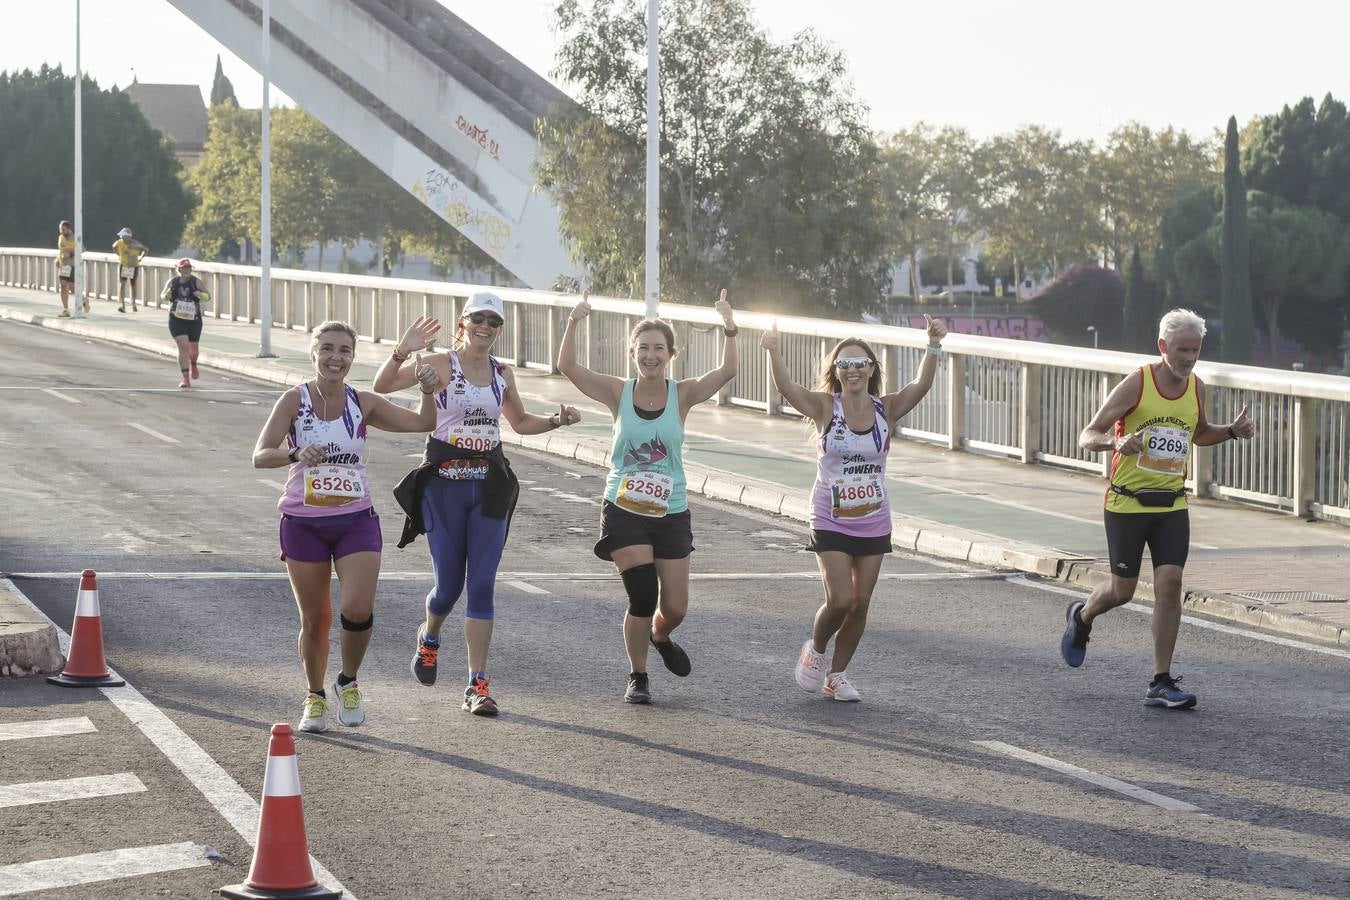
[(477, 700), (637, 689), (424, 659), (673, 655)]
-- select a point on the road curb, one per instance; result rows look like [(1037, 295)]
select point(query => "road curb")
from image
[(915, 535), (28, 642)]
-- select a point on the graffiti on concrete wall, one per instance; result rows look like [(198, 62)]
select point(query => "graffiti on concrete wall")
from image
[(479, 136), (449, 199), (1017, 327)]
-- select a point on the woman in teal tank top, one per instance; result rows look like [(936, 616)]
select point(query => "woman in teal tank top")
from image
[(644, 523)]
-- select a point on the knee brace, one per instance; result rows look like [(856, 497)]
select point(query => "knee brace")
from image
[(643, 589), (349, 625)]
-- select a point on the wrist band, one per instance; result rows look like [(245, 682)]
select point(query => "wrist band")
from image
[(1232, 435), (730, 332), (398, 356), (295, 451), (933, 351)]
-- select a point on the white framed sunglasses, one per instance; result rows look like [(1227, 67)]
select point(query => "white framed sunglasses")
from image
[(853, 362)]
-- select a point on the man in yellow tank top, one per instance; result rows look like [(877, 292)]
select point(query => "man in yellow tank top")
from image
[(1149, 423)]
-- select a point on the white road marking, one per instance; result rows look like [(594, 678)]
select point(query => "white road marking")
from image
[(141, 390), (527, 587), (220, 790), (1105, 781), (60, 396), (16, 731), (155, 434), (70, 871), (272, 483), (30, 792), (1192, 620), (509, 577)]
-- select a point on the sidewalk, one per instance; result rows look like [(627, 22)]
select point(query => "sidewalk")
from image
[(1260, 569)]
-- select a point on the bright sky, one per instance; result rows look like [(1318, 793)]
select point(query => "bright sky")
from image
[(1082, 66)]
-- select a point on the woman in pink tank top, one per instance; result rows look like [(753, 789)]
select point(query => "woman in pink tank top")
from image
[(850, 508), (318, 429)]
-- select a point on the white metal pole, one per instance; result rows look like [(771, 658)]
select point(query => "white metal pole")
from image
[(265, 277), (77, 302), (653, 244)]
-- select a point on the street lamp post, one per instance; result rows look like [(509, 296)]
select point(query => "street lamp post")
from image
[(1093, 330), (77, 267), (653, 241), (265, 274)]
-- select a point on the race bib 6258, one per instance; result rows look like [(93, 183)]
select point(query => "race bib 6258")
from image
[(645, 493)]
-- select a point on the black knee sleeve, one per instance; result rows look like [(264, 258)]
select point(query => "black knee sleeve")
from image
[(643, 589), (349, 625)]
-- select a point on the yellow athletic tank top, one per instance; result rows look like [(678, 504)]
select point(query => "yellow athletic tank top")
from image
[(1169, 425)]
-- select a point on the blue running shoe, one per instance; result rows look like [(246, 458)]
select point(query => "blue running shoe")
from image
[(1073, 645), (1164, 692)]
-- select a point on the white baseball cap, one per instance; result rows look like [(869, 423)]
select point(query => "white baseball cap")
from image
[(125, 232), (485, 302)]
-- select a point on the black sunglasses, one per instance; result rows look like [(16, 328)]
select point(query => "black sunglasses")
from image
[(479, 318)]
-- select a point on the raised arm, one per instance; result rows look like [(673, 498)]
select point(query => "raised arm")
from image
[(908, 397), (605, 389), (393, 375), (389, 416), (269, 452), (523, 422), (694, 391), (1208, 434), (1099, 434), (815, 405)]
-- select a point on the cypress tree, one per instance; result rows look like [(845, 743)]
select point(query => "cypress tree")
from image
[(1235, 297), (1141, 309), (221, 89)]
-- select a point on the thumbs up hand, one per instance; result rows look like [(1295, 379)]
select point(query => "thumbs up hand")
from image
[(426, 375), (566, 415), (769, 340), (1243, 426), (936, 330)]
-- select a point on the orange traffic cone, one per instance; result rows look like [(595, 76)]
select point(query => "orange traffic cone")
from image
[(281, 853), (85, 666)]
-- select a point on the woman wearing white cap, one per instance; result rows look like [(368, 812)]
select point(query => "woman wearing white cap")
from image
[(463, 493), (129, 252)]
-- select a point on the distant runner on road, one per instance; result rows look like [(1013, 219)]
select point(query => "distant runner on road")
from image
[(327, 519), (129, 253), (65, 266), (185, 294), (463, 494), (1149, 423), (850, 509), (645, 527)]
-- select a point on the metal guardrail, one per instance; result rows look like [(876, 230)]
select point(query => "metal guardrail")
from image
[(1020, 400)]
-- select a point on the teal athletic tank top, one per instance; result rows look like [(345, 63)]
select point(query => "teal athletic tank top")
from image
[(646, 473)]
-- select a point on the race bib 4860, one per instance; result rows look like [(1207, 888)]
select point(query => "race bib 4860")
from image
[(856, 495), (645, 493), (332, 485)]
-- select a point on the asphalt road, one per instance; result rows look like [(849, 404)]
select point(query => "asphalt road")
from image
[(734, 783)]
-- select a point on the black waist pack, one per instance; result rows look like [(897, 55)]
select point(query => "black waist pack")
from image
[(1151, 496)]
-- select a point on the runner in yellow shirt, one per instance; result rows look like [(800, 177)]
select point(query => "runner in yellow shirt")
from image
[(65, 266), (129, 252)]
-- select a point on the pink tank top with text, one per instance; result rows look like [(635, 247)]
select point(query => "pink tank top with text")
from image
[(338, 485), (849, 495), (469, 416)]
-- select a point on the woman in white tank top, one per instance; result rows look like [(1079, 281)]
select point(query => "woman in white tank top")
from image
[(327, 520)]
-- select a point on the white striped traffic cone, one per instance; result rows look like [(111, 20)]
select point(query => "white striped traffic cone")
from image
[(85, 666), (281, 852)]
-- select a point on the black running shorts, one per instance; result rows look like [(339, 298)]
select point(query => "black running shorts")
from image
[(191, 328), (670, 536), (1166, 534)]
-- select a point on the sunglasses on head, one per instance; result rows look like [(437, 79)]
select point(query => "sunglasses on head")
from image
[(852, 362), (479, 318)]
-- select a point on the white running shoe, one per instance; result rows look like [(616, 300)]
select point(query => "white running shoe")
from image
[(810, 668), (838, 687), (350, 709), (315, 717)]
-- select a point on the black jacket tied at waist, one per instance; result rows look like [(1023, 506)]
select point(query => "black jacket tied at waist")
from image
[(503, 488)]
